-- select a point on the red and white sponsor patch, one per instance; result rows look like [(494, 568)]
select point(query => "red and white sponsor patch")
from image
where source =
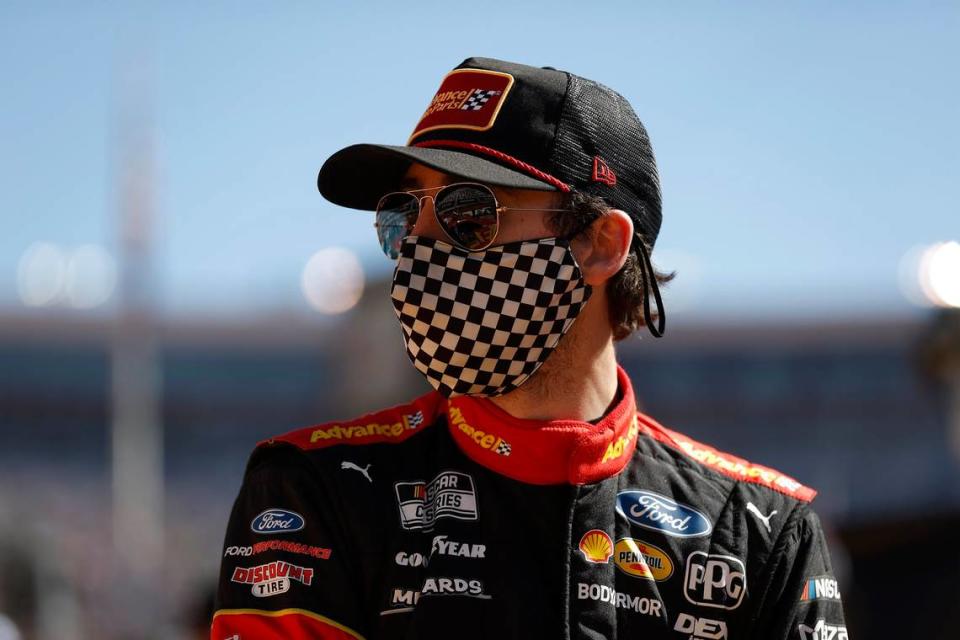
[(466, 99), (272, 571)]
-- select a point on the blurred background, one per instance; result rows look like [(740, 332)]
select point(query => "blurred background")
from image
[(173, 288)]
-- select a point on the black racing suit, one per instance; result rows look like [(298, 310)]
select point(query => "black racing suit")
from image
[(452, 519)]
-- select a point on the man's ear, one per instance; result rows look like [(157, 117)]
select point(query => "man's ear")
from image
[(604, 247)]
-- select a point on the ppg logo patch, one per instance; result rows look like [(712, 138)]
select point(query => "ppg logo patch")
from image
[(714, 581)]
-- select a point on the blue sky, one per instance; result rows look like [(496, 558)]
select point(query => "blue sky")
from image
[(803, 150)]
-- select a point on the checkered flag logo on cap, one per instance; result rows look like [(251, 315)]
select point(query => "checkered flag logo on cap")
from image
[(478, 98), (482, 323), (504, 448)]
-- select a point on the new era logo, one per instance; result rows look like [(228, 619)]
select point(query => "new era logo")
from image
[(603, 173)]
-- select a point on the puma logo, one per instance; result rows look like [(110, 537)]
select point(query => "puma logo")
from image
[(752, 508), (349, 465)]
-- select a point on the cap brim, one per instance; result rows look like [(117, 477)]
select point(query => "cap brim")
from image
[(358, 176)]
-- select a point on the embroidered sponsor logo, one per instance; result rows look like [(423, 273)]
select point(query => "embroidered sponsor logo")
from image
[(659, 513), (764, 519), (603, 173), (450, 495), (714, 580), (441, 546), (348, 432), (603, 593), (642, 560), (596, 546), (364, 471), (820, 588), (700, 628), (622, 444), (485, 440), (272, 578), (822, 631), (277, 521), (453, 587), (404, 600), (286, 546), (405, 559), (740, 468), (238, 551), (466, 99), (321, 553)]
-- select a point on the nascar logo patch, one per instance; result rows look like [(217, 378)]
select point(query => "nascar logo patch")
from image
[(466, 99)]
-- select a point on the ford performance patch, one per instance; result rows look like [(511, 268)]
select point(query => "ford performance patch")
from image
[(659, 513), (466, 99)]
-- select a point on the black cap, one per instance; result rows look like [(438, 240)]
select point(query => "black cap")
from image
[(513, 125)]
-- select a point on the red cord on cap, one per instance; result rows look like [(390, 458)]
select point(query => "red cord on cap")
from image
[(499, 155)]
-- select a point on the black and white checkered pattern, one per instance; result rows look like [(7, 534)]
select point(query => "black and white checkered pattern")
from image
[(504, 448), (481, 323), (477, 99)]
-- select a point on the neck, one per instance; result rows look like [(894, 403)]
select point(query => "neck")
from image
[(577, 382)]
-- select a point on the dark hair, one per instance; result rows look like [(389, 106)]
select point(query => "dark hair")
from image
[(625, 289)]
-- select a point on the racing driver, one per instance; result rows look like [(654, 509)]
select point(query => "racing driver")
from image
[(525, 496)]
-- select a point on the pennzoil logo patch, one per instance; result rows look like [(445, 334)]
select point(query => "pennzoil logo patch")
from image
[(466, 99)]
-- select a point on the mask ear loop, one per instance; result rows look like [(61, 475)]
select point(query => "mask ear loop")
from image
[(650, 282)]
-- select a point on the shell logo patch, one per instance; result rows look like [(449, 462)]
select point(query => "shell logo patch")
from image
[(596, 546), (466, 99), (642, 560)]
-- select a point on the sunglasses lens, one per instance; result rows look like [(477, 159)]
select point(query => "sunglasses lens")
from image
[(468, 214), (396, 215)]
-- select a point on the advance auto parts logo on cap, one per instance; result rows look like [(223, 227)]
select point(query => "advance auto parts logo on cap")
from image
[(659, 513), (450, 495), (466, 99), (642, 560)]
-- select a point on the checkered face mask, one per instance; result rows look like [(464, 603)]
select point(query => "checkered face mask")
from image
[(481, 323)]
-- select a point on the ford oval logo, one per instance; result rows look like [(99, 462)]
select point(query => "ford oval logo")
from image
[(277, 521), (659, 513)]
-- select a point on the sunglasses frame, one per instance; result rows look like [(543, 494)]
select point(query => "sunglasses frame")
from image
[(498, 210)]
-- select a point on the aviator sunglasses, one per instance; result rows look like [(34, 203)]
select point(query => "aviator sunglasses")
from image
[(468, 213)]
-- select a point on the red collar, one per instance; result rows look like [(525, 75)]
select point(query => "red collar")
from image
[(546, 451)]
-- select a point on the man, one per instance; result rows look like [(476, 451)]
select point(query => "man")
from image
[(526, 497)]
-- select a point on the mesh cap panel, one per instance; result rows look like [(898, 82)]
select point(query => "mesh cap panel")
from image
[(596, 121)]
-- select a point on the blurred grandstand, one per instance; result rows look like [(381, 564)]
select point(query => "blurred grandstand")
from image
[(857, 409)]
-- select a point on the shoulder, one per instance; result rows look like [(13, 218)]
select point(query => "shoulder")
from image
[(345, 465), (393, 425), (711, 461)]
